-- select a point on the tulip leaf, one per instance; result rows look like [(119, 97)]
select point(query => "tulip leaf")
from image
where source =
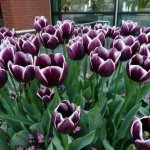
[(125, 124), (82, 142), (131, 147), (19, 138), (107, 145), (50, 147)]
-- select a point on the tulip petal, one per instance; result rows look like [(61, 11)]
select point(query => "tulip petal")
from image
[(142, 145)]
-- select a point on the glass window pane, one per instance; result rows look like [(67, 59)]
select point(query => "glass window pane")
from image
[(87, 5)]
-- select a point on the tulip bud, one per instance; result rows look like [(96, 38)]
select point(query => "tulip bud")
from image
[(22, 69), (46, 94), (103, 61), (145, 50), (139, 132), (40, 22), (144, 38), (51, 70), (129, 28), (138, 68), (66, 117), (75, 48), (51, 36)]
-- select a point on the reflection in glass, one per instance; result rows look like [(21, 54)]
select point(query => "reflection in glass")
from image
[(135, 5), (87, 5)]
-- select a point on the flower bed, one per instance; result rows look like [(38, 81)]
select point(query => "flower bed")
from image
[(92, 95)]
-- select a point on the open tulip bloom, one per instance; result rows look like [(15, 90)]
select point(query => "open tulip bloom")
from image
[(83, 100)]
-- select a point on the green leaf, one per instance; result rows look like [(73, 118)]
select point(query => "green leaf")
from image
[(3, 141), (50, 147), (125, 124), (20, 138), (131, 147), (81, 142), (107, 145)]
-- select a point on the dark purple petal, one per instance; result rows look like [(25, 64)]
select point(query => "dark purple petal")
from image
[(129, 40), (126, 54), (53, 42), (142, 145), (3, 77), (119, 44), (143, 38)]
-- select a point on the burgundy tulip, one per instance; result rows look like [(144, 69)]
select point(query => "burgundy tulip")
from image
[(22, 68), (3, 77), (46, 94), (51, 70), (75, 48), (113, 32), (145, 50), (144, 38), (128, 46), (7, 32), (66, 117), (29, 43), (98, 26), (103, 61), (51, 36), (138, 68), (139, 132), (40, 22), (67, 28), (129, 27), (145, 30)]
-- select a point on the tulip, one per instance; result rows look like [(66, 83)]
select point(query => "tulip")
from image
[(128, 46), (66, 117), (51, 36), (144, 38), (145, 30), (51, 70), (40, 137), (6, 55), (3, 77), (22, 68), (7, 32), (139, 132), (103, 61), (138, 68), (113, 32), (92, 40), (46, 94), (40, 22), (129, 27), (29, 43), (145, 50), (75, 48), (98, 26), (67, 28)]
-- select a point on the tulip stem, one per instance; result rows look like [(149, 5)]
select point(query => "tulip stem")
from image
[(94, 85), (117, 78), (46, 50), (65, 141), (85, 66), (64, 48)]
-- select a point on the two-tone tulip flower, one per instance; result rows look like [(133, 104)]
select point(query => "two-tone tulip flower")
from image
[(113, 32), (145, 50), (7, 32), (128, 46), (144, 38), (29, 43), (75, 48), (145, 30), (67, 28), (51, 70), (103, 61), (129, 28), (66, 117), (6, 55), (51, 36), (140, 132), (22, 68), (138, 68), (3, 76), (46, 94), (40, 22), (93, 39)]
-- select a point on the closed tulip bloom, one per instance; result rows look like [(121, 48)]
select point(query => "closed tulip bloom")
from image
[(66, 117), (46, 94), (75, 48), (144, 38), (7, 32), (113, 32), (3, 77), (67, 28), (22, 68), (51, 70), (129, 27), (145, 30), (29, 43), (51, 36), (128, 46), (40, 22), (138, 68), (145, 50), (139, 132), (103, 61)]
